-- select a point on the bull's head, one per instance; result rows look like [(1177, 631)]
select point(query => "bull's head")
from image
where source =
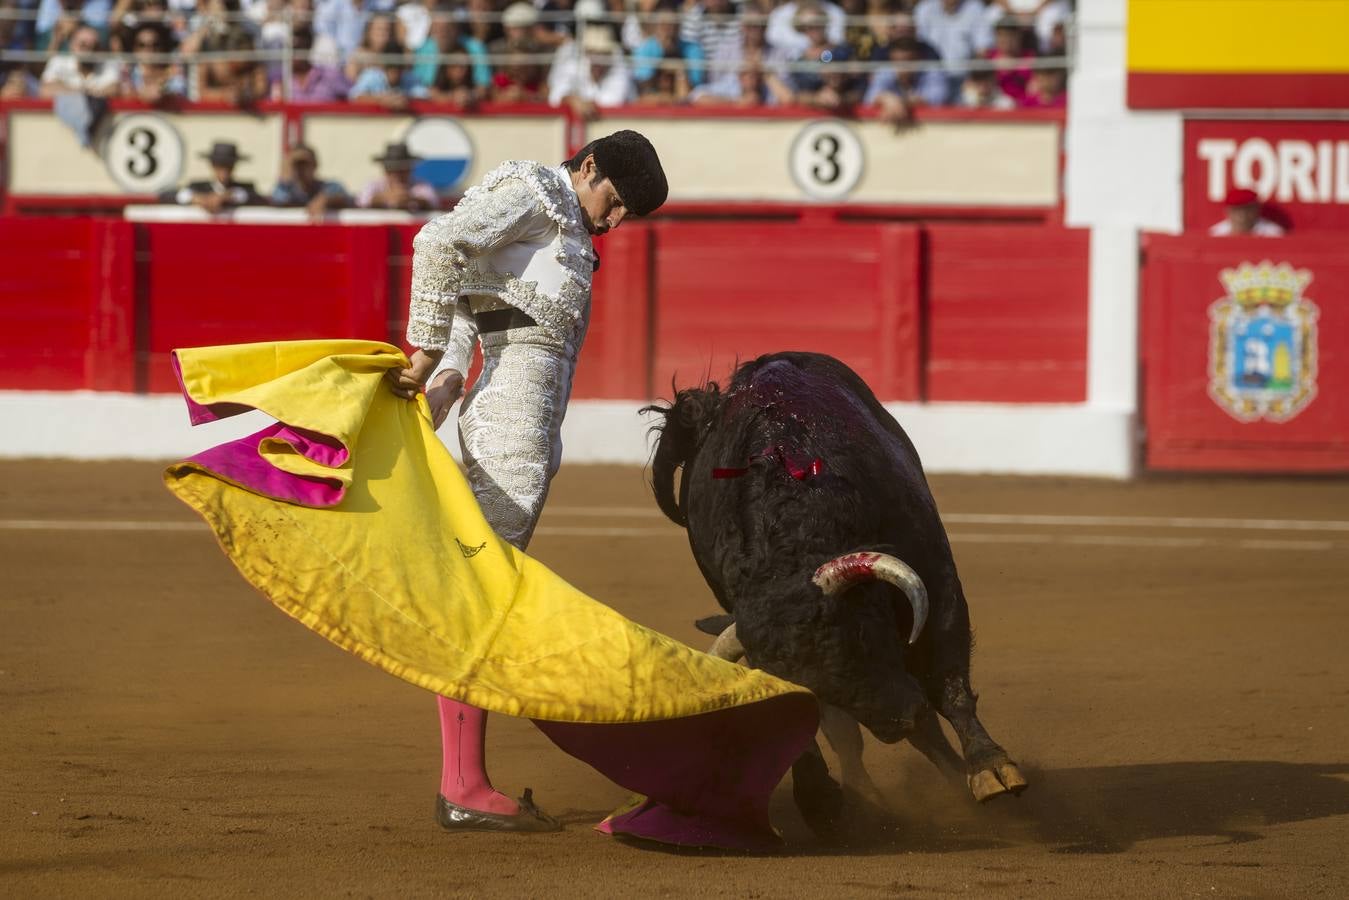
[(848, 646)]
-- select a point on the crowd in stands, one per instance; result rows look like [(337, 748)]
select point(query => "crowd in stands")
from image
[(894, 55)]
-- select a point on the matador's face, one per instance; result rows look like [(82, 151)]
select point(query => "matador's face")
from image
[(601, 207)]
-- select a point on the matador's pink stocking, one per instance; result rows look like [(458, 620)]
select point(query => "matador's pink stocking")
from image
[(463, 778)]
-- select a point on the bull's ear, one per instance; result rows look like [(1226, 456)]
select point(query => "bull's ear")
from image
[(714, 625)]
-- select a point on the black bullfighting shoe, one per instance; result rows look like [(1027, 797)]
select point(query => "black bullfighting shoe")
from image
[(530, 818)]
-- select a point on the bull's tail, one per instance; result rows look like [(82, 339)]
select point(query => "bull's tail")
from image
[(679, 432)]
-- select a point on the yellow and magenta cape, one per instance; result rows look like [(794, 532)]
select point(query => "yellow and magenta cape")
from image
[(350, 515)]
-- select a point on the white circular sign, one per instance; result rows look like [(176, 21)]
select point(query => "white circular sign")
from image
[(826, 159), (144, 153), (445, 149)]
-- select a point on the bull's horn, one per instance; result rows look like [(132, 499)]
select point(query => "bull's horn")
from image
[(840, 574)]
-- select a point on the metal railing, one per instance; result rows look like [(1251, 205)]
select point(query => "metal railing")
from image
[(286, 55)]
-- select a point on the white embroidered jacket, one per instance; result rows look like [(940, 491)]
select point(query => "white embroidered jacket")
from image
[(515, 239)]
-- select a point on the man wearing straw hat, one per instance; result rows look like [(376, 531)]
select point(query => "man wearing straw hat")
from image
[(511, 268), (397, 189)]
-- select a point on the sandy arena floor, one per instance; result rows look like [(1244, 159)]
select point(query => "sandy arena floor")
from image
[(1176, 687)]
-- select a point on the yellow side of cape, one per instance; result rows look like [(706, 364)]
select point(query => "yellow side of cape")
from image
[(404, 571)]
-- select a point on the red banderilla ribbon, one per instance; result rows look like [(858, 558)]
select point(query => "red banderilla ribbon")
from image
[(800, 473)]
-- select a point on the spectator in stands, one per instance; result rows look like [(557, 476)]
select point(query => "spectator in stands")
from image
[(980, 90), (556, 32), (237, 80), (712, 25), (390, 83), (129, 15), (482, 29), (821, 86), (456, 82), (72, 72), (895, 27), (640, 23), (274, 33), (379, 38), (899, 90), (447, 37), (784, 34), (1244, 218), (751, 87), (316, 76), (340, 21), (956, 29), (519, 81), (217, 19), (16, 81), (397, 189), (725, 82), (1048, 89), (725, 66), (67, 15), (150, 79), (1046, 15), (665, 44), (1011, 55), (222, 192), (593, 76), (414, 22), (305, 188)]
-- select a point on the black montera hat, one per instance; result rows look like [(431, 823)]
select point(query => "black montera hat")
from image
[(629, 161)]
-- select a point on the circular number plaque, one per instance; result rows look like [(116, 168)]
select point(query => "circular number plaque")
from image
[(826, 159), (144, 153)]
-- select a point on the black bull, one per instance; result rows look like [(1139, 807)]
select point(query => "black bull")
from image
[(794, 465)]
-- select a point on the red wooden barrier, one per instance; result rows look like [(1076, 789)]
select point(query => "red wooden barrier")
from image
[(733, 291), (616, 363), (225, 284), (1246, 353), (1006, 314), (1005, 306), (68, 313)]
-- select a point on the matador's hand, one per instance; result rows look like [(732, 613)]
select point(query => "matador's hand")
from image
[(407, 383), (441, 393)]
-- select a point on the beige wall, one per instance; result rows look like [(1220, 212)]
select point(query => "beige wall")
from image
[(957, 163), (45, 157), (345, 143)]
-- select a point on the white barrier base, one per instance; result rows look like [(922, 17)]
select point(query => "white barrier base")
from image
[(952, 437)]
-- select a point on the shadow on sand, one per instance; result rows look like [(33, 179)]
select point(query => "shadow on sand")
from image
[(1103, 809)]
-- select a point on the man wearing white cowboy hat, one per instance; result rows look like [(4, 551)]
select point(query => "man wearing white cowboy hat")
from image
[(510, 268), (221, 191), (397, 189)]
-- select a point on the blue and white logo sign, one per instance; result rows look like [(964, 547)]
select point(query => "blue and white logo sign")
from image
[(1262, 343), (445, 149)]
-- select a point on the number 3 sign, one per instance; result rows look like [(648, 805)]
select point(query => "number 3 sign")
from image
[(826, 159), (144, 153)]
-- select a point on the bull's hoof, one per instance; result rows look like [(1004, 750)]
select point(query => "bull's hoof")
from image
[(818, 796), (1005, 778)]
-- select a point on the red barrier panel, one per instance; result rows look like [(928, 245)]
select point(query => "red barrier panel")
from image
[(616, 362), (733, 291), (226, 284), (1246, 353), (68, 316), (1006, 314), (1007, 308)]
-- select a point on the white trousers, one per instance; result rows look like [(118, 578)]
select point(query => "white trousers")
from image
[(510, 426)]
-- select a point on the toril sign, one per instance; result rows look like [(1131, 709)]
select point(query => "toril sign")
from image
[(1299, 169)]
